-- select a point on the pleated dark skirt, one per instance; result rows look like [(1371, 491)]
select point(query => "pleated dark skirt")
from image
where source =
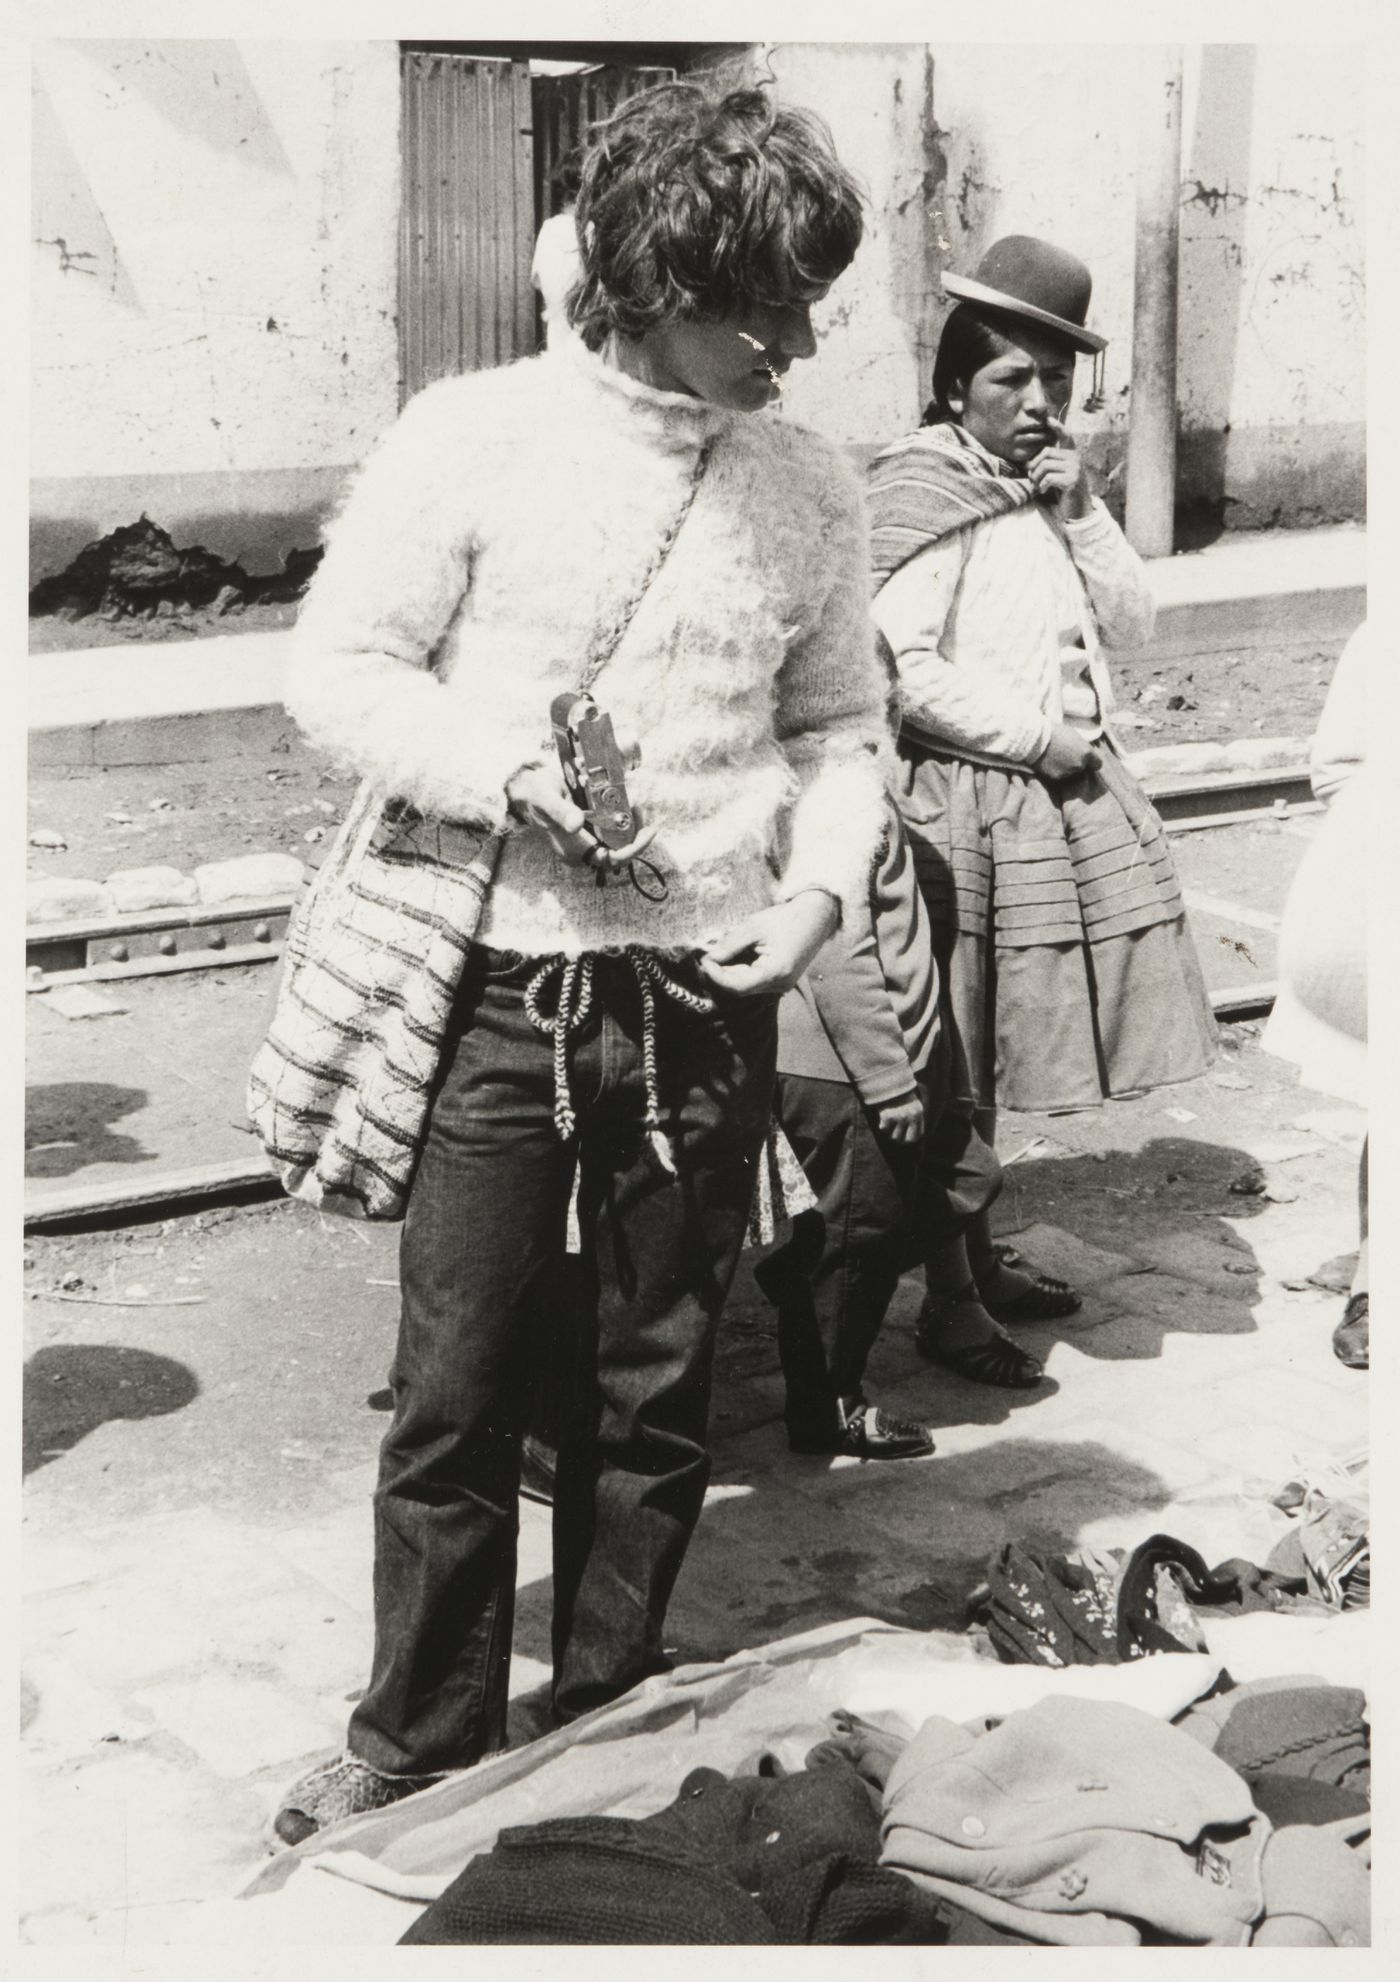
[(1060, 931)]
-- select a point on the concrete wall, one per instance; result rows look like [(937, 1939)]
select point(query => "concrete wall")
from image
[(1272, 332), (215, 265), (215, 271), (876, 327)]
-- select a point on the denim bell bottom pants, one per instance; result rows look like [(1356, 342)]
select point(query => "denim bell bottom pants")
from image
[(482, 1280)]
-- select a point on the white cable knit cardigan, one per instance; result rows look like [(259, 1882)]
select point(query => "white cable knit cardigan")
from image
[(508, 512), (978, 622)]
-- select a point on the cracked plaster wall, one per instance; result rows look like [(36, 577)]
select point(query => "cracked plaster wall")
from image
[(216, 264), (866, 383), (214, 289), (1271, 350)]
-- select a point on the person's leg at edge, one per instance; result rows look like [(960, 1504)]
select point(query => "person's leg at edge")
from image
[(961, 1181), (834, 1282), (1351, 1339), (1009, 1287)]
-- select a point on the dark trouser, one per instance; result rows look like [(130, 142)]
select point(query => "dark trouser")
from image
[(481, 1267), (881, 1207)]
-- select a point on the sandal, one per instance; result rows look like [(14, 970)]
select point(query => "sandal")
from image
[(999, 1362), (1046, 1299), (1351, 1339)]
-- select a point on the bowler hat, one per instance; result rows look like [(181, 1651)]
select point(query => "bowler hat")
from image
[(1028, 278)]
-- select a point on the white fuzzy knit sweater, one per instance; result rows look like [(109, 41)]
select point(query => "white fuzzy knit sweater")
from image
[(505, 515), (980, 621)]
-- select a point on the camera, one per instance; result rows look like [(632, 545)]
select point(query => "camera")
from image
[(593, 767)]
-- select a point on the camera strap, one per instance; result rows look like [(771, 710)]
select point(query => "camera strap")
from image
[(609, 636)]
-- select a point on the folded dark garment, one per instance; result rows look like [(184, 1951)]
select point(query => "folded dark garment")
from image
[(1042, 1609), (588, 1881), (1288, 1800), (731, 1860)]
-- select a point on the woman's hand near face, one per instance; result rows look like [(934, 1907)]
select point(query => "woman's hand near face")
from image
[(769, 951), (538, 796), (1057, 474)]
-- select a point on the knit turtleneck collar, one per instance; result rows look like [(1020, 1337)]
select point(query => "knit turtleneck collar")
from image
[(676, 417)]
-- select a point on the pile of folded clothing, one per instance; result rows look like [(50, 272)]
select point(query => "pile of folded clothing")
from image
[(1073, 1821)]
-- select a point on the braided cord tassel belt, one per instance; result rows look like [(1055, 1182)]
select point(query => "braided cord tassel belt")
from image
[(573, 977)]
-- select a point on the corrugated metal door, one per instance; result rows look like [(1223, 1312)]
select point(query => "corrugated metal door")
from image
[(468, 216), (565, 106)]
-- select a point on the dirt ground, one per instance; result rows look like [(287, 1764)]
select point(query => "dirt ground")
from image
[(181, 815)]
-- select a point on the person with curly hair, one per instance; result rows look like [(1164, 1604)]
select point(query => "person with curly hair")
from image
[(620, 498)]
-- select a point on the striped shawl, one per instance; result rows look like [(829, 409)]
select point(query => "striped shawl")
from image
[(926, 486)]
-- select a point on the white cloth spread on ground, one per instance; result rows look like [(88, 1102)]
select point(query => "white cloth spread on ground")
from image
[(509, 514), (628, 1759)]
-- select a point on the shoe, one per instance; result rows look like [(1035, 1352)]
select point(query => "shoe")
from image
[(537, 1464), (1046, 1299), (345, 1787), (998, 1362), (1351, 1339), (867, 1432)]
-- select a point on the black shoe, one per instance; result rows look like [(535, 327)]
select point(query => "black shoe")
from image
[(1046, 1298), (867, 1432), (996, 1361), (537, 1466)]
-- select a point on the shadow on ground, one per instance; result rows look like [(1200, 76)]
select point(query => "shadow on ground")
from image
[(905, 1543), (67, 1126), (72, 1388), (1148, 1237)]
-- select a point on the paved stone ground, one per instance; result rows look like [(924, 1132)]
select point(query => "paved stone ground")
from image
[(204, 1399)]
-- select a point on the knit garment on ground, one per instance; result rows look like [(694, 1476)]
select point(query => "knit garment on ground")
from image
[(507, 516)]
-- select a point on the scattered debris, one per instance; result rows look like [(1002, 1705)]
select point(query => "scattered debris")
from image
[(1179, 1114), (1249, 1183), (129, 1301), (49, 840), (1225, 1078)]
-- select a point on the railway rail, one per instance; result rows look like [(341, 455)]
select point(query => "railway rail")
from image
[(160, 942)]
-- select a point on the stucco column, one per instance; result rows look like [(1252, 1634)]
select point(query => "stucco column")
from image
[(1151, 485)]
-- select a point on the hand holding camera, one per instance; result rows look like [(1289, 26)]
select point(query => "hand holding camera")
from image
[(581, 802)]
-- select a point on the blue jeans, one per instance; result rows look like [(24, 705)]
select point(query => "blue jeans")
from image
[(481, 1276)]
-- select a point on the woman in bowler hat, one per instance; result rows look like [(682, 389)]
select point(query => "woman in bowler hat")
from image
[(1001, 582)]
